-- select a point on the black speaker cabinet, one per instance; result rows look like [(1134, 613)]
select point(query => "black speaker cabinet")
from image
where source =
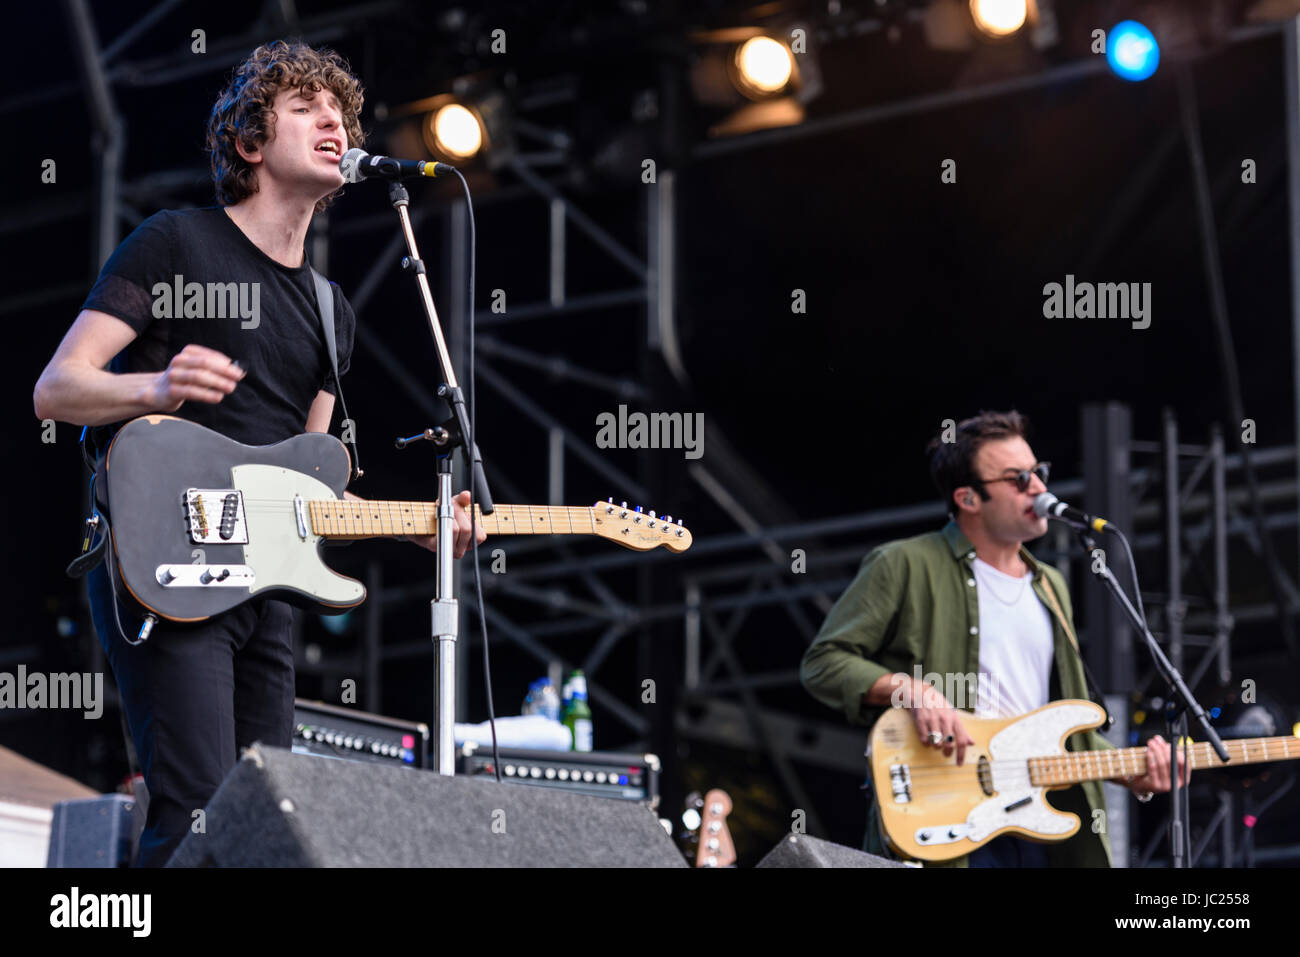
[(279, 809), (800, 850), (95, 832)]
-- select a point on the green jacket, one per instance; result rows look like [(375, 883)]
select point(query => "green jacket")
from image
[(914, 603)]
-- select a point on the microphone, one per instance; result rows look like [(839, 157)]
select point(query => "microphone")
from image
[(1047, 505), (357, 164)]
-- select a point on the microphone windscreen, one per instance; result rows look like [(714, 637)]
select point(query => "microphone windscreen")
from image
[(1043, 503), (350, 165)]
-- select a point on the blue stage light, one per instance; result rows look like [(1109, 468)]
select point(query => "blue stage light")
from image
[(1132, 51)]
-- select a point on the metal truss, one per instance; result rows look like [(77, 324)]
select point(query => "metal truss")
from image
[(724, 579), (1191, 514)]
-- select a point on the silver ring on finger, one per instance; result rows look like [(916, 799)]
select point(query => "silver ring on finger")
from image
[(935, 737)]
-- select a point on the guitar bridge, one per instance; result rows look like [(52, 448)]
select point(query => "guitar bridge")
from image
[(216, 516)]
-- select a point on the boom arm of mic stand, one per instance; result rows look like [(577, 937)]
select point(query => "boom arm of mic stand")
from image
[(450, 391)]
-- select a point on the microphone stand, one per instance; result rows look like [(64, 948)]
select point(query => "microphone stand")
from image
[(445, 609), (1180, 699)]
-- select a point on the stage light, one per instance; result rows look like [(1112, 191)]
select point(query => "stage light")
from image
[(457, 131), (999, 18), (764, 66), (1132, 51)]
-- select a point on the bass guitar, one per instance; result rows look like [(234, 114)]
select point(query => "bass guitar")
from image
[(931, 809)]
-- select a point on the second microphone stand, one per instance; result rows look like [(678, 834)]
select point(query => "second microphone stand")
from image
[(1181, 701)]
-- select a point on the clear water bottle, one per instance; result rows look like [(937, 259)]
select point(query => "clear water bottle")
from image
[(542, 699), (548, 699)]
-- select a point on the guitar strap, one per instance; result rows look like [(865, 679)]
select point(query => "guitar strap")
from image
[(1093, 693), (325, 309)]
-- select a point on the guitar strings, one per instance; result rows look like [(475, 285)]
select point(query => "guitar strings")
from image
[(1072, 760)]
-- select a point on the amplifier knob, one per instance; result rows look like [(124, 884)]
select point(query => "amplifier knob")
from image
[(588, 776), (550, 774), (510, 770), (600, 777)]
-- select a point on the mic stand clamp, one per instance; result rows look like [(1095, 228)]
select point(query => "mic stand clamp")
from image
[(1179, 696)]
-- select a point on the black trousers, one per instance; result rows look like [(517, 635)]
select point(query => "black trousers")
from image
[(1009, 851), (194, 696)]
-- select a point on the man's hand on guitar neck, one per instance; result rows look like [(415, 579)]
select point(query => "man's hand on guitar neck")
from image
[(1157, 778), (937, 722), (461, 543)]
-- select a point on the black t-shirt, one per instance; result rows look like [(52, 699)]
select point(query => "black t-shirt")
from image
[(192, 275)]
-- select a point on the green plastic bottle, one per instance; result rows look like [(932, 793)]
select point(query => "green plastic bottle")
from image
[(577, 717)]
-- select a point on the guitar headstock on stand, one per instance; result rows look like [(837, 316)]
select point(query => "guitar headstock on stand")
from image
[(707, 839)]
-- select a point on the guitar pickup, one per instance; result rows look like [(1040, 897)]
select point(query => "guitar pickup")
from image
[(216, 516), (900, 782)]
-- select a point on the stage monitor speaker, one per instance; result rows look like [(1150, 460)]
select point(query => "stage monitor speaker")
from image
[(94, 832), (279, 809), (800, 850)]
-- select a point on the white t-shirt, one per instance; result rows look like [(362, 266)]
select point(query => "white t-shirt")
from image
[(1015, 644)]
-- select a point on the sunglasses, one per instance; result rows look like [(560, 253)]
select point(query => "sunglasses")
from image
[(1024, 477)]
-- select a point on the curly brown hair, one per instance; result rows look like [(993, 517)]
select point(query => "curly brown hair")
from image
[(243, 112)]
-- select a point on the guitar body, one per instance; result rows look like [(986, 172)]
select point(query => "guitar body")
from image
[(933, 810), (151, 465)]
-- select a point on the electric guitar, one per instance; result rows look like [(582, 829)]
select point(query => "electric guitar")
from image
[(201, 523), (933, 810)]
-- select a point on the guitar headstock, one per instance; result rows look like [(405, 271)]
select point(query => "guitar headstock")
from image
[(716, 848), (637, 529)]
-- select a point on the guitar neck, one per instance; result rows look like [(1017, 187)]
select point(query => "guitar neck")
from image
[(376, 518), (1076, 766)]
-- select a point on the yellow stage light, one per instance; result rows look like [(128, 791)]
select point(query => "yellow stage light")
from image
[(457, 131), (763, 66), (999, 18)]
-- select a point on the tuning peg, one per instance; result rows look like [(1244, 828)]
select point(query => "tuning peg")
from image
[(638, 508), (623, 505), (668, 519), (610, 500)]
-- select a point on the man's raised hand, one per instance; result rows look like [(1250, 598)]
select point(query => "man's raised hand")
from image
[(196, 374)]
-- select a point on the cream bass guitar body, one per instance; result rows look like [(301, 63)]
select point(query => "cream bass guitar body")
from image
[(931, 809)]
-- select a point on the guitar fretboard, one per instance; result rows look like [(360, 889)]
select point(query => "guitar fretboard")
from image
[(1075, 766), (376, 518)]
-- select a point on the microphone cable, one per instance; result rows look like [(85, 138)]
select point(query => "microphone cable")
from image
[(470, 451)]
